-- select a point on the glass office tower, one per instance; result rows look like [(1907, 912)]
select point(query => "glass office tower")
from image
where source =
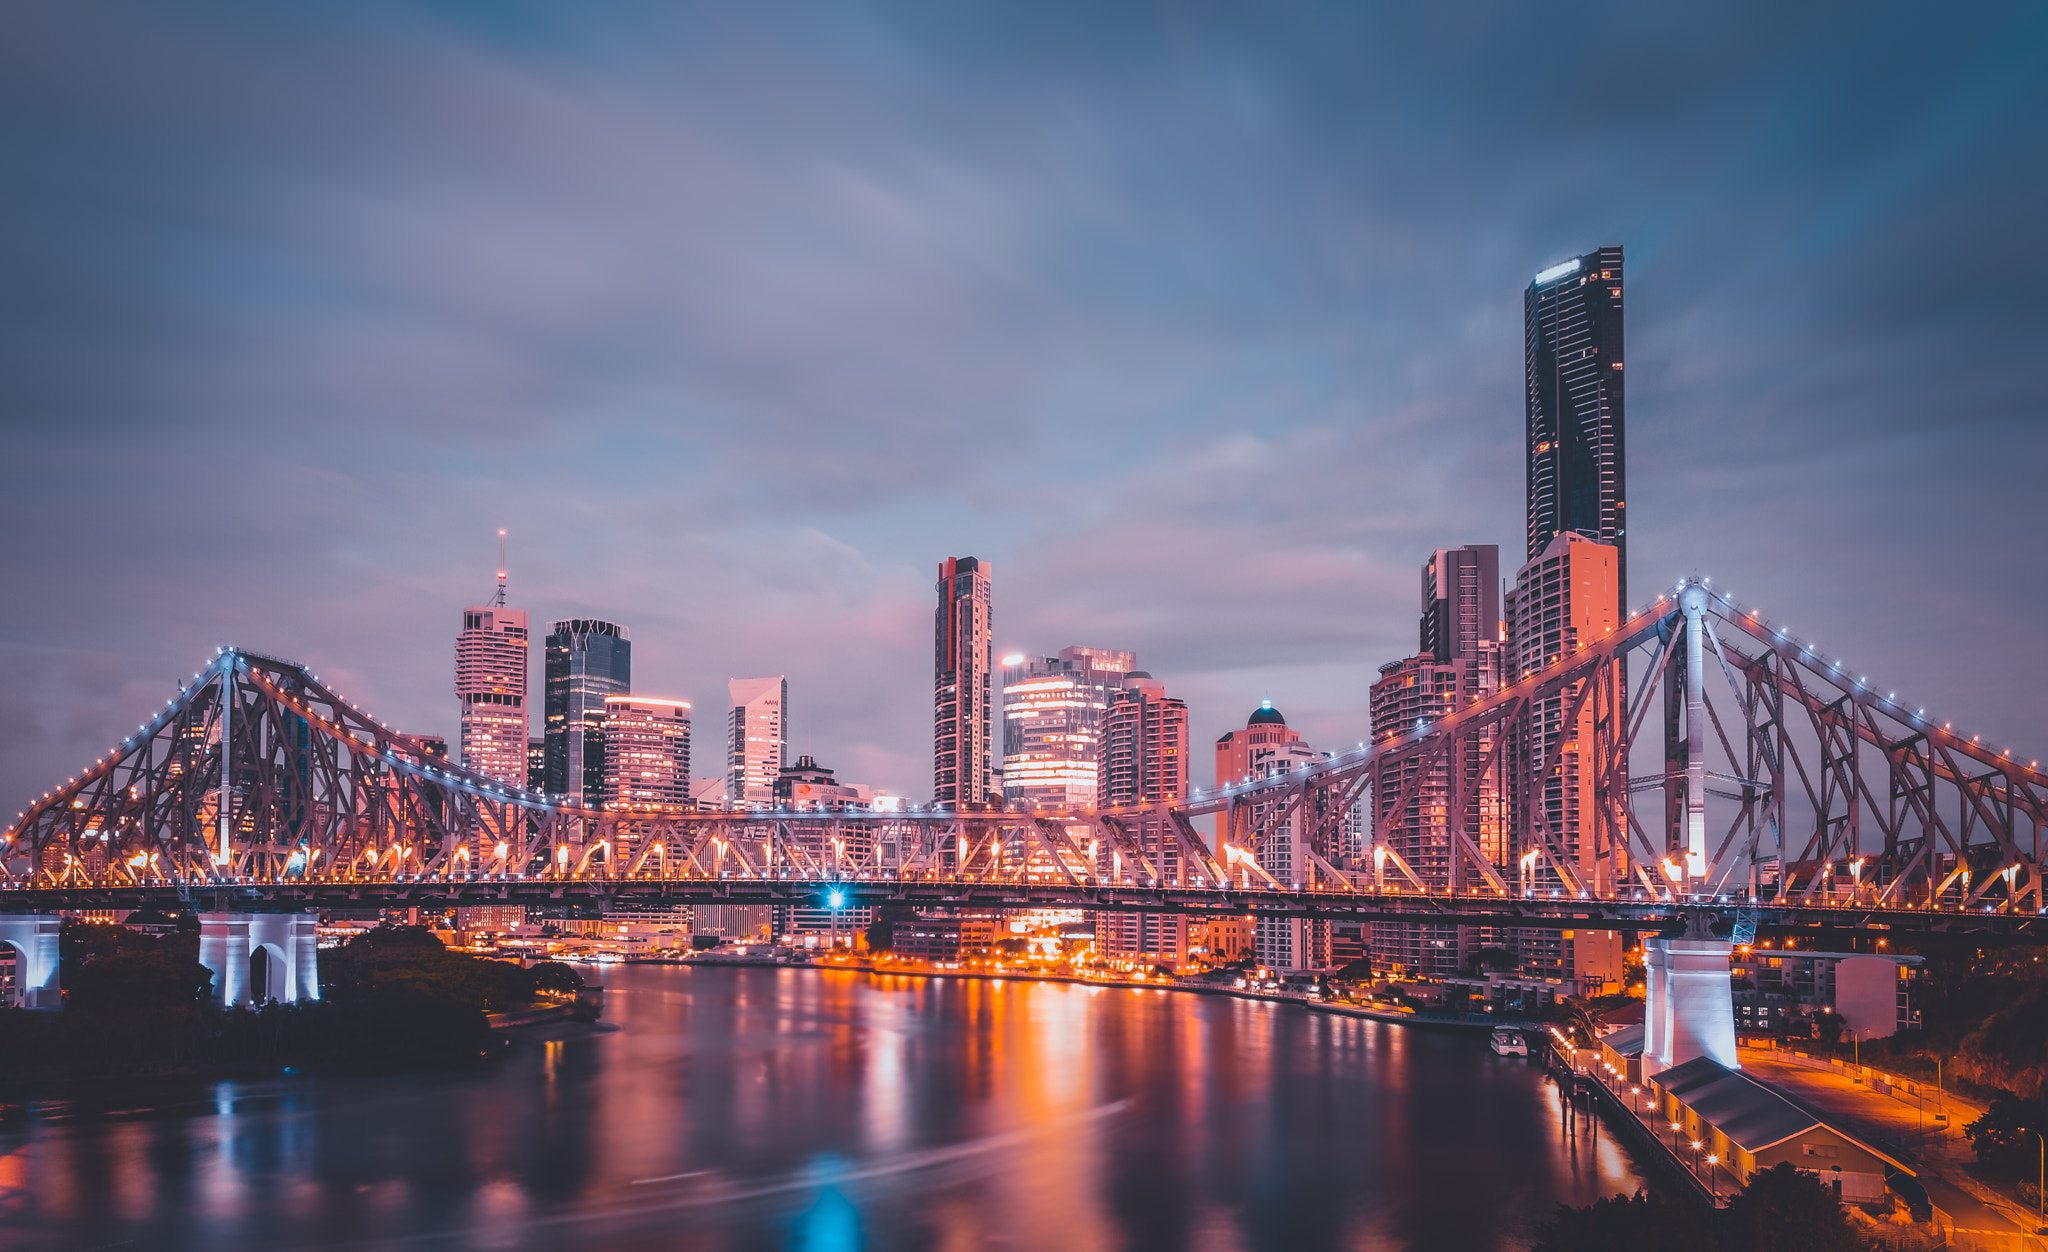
[(587, 660)]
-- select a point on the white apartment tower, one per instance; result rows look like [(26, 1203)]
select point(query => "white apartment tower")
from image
[(757, 737), (490, 683)]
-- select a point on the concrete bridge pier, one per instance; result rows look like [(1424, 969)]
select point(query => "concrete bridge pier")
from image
[(1690, 1008), (260, 956), (33, 936)]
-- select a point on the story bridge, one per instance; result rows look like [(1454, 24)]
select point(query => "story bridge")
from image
[(1784, 790)]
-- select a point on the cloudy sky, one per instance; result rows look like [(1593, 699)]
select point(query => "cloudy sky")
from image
[(1203, 323)]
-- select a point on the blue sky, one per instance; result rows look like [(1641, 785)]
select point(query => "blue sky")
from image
[(1203, 324)]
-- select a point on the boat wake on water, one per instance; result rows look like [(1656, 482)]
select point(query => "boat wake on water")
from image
[(656, 1198)]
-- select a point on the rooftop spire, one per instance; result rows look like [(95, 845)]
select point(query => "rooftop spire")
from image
[(499, 602)]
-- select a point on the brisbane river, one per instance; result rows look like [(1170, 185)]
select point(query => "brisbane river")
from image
[(737, 1108)]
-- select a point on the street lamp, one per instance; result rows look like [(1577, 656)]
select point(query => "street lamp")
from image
[(1713, 1183)]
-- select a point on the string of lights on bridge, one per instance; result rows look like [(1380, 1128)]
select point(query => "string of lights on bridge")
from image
[(481, 786)]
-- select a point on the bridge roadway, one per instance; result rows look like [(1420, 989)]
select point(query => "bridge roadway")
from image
[(587, 894)]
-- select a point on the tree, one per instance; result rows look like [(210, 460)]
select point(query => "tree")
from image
[(1783, 1210), (555, 976), (1828, 1025), (2004, 1136), (1624, 1224), (882, 931), (133, 982)]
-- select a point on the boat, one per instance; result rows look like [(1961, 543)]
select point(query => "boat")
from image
[(1510, 1043)]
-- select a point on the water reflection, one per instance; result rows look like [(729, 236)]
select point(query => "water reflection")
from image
[(755, 1108)]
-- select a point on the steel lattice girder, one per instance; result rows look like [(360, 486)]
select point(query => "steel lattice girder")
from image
[(320, 792)]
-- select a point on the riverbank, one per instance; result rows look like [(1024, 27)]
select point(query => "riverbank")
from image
[(1341, 1008)]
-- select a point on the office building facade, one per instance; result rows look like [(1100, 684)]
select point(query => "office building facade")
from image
[(1572, 354), (963, 666), (757, 737), (490, 684), (586, 660), (646, 750), (1054, 714)]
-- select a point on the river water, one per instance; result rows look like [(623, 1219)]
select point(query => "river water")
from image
[(823, 1111)]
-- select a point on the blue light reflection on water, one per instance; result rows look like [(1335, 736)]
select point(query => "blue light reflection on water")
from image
[(815, 1110)]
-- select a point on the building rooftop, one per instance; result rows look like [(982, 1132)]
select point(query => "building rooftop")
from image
[(1265, 715), (1752, 1115), (1628, 1041)]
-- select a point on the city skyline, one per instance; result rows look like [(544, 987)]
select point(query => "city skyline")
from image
[(1280, 399)]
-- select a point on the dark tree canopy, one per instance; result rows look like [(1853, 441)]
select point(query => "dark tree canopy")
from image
[(1639, 1223), (1783, 1210)]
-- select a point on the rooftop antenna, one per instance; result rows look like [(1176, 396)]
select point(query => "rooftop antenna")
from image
[(500, 601)]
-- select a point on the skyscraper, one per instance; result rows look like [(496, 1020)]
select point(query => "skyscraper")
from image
[(1572, 356), (1275, 833), (756, 736), (490, 682), (587, 660), (1145, 760), (1461, 601), (1053, 713), (1432, 813), (646, 750), (963, 661), (1564, 597)]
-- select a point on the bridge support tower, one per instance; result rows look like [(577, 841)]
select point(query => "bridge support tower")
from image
[(33, 936), (260, 956), (1690, 1008)]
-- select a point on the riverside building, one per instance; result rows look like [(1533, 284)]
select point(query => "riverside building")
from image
[(587, 660), (963, 664)]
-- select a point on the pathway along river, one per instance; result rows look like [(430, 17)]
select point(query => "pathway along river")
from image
[(827, 1110)]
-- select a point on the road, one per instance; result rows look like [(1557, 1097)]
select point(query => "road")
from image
[(1937, 1152)]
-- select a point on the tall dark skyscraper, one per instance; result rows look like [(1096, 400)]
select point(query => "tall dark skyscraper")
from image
[(587, 660), (963, 659), (1572, 351), (1461, 601)]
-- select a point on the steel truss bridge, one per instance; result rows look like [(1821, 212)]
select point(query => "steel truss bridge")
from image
[(1782, 789)]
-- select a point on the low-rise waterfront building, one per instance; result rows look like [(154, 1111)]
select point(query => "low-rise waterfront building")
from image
[(1750, 1127), (943, 939)]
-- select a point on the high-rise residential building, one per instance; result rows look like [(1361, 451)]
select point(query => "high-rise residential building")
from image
[(1278, 839), (1053, 713), (1461, 601), (490, 683), (963, 664), (1426, 810), (1240, 753), (1564, 597), (756, 736), (646, 750), (1572, 356), (1145, 761), (586, 661)]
